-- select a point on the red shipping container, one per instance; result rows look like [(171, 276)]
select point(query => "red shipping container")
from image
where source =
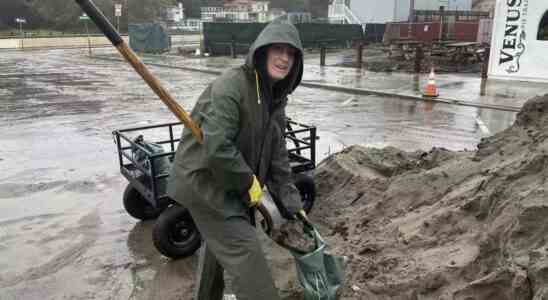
[(423, 31), (427, 32), (466, 31)]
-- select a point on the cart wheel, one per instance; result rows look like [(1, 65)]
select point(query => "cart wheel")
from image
[(175, 234), (307, 188), (138, 207)]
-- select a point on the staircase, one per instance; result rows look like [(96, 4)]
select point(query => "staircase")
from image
[(339, 12), (350, 17)]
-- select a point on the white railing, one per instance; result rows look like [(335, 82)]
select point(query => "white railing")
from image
[(341, 13), (336, 9), (351, 18), (336, 13)]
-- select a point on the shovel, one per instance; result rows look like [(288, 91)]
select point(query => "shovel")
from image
[(108, 30)]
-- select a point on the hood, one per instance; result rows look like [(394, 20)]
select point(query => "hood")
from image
[(280, 32)]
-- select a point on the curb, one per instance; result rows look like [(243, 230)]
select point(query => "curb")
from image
[(360, 91), (350, 90)]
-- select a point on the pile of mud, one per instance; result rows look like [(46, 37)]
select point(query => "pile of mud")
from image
[(376, 58), (442, 224)]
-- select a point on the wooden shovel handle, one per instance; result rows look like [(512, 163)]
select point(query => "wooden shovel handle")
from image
[(110, 32)]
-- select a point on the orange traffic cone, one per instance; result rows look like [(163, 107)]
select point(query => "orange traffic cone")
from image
[(431, 90)]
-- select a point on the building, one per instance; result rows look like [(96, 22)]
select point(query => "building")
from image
[(175, 14), (240, 11), (520, 41), (422, 20), (368, 11), (260, 11), (222, 14), (375, 11), (299, 17), (191, 24)]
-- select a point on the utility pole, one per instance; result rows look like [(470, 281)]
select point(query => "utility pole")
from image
[(395, 10), (20, 21), (442, 21), (412, 11), (411, 19)]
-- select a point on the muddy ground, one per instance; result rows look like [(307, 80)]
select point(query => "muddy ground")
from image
[(440, 224), (63, 231), (377, 58)]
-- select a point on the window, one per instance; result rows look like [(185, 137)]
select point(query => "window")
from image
[(543, 28)]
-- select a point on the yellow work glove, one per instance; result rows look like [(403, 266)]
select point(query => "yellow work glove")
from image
[(301, 215), (255, 193)]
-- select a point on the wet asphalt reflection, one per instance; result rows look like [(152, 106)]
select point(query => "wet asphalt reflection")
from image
[(63, 231)]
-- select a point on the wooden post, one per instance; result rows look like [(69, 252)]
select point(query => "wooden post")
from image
[(485, 63), (233, 48), (419, 56), (360, 54), (22, 34), (322, 55), (483, 86), (89, 39)]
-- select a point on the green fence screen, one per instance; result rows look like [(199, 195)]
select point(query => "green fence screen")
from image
[(218, 37)]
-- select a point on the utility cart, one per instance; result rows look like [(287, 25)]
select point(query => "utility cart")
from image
[(145, 155)]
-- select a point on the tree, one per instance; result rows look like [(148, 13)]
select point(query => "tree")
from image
[(148, 10), (193, 8), (58, 14), (63, 14), (15, 9)]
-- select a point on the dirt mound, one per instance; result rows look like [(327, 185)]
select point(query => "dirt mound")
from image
[(442, 224)]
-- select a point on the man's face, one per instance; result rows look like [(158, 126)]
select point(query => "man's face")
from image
[(279, 60)]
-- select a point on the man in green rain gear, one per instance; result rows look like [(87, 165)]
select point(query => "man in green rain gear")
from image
[(242, 116)]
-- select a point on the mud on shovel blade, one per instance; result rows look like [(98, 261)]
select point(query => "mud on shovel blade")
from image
[(108, 30)]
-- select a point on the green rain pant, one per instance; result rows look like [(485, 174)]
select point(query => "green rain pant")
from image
[(232, 245)]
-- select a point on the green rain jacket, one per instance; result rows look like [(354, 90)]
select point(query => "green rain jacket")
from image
[(242, 137)]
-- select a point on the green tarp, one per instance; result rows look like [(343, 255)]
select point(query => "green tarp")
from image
[(314, 34), (218, 37), (148, 38)]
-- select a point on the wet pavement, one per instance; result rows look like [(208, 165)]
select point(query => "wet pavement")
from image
[(468, 89), (63, 231)]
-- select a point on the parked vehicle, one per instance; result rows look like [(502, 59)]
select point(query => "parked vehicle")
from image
[(145, 163)]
